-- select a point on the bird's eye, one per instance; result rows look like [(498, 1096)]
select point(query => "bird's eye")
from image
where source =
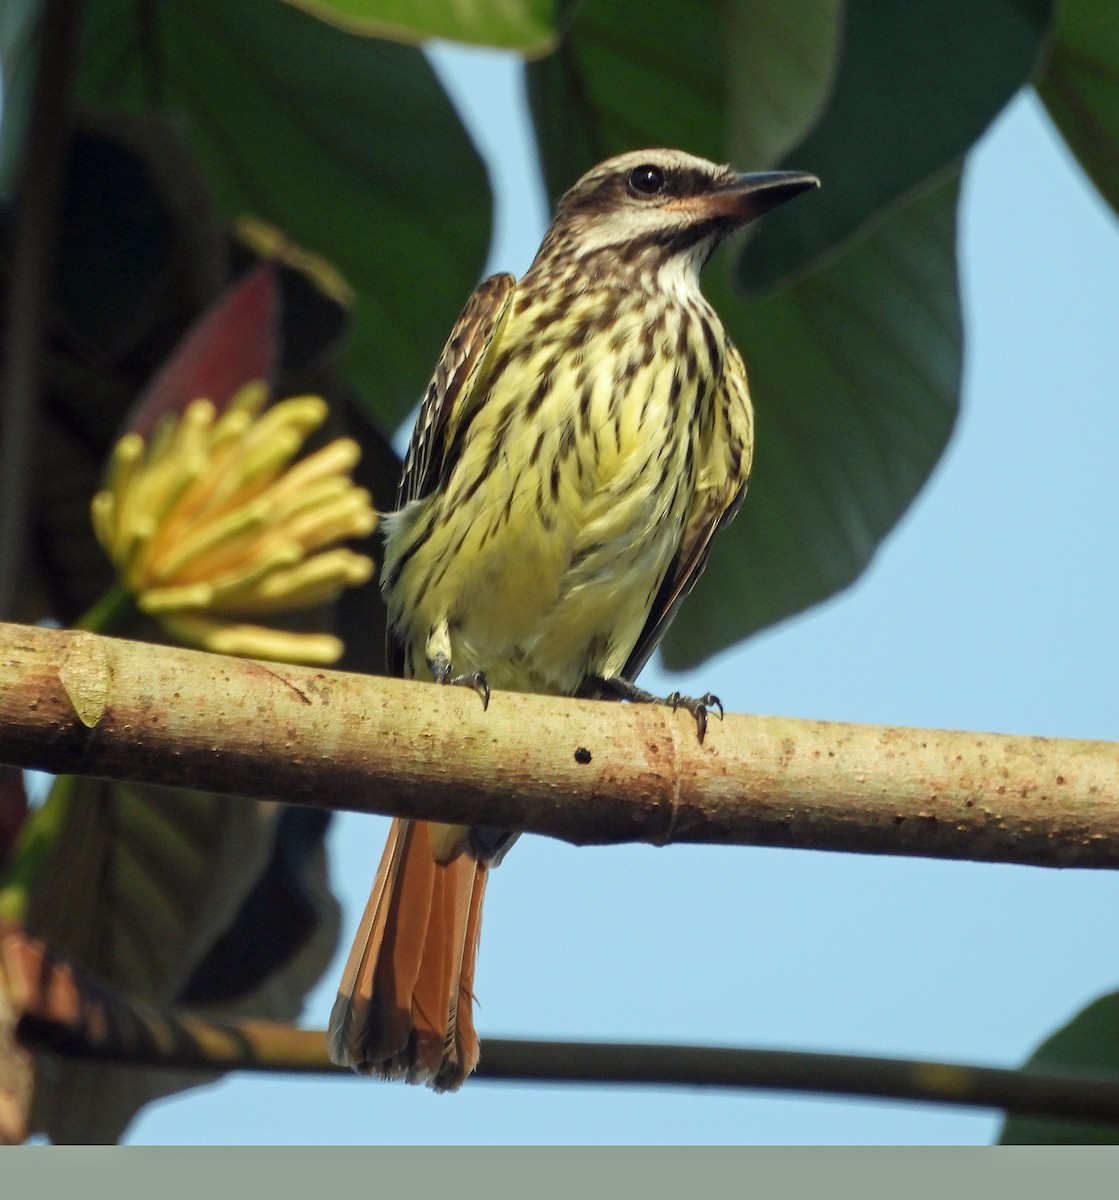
[(646, 180)]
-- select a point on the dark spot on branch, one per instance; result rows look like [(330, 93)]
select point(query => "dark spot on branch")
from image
[(582, 756)]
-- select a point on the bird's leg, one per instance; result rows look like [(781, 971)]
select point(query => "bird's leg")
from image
[(698, 706), (440, 667), (438, 655)]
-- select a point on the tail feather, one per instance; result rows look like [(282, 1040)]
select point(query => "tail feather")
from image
[(350, 1016), (462, 1014), (395, 965), (429, 999), (404, 1005)]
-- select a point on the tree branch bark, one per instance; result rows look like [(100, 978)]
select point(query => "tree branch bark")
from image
[(58, 1010), (584, 771), (273, 1048)]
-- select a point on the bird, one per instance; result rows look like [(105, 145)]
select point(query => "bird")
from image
[(586, 432)]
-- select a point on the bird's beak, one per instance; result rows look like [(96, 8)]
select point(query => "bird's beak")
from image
[(744, 198)]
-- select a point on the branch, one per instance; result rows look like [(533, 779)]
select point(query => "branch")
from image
[(585, 771), (62, 1012)]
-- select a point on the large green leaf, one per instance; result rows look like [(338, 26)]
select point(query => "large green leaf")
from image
[(855, 373), (617, 82), (161, 893), (779, 74), (1089, 1042), (347, 144), (140, 883), (875, 98), (917, 85), (1081, 88), (18, 55), (620, 81), (524, 25)]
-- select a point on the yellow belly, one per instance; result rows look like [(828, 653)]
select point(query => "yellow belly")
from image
[(538, 561)]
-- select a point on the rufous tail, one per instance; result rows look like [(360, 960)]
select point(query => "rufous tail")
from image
[(404, 1007)]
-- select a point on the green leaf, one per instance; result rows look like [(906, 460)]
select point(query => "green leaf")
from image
[(1080, 88), (177, 897), (18, 55), (140, 883), (524, 25), (917, 85), (875, 98), (1088, 1043), (619, 81), (779, 74), (349, 145), (855, 373)]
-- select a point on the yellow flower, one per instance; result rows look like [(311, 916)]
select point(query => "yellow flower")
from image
[(212, 521)]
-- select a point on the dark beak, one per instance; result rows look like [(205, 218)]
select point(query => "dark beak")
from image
[(746, 197)]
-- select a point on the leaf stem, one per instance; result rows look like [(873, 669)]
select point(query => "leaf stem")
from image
[(109, 612), (37, 837)]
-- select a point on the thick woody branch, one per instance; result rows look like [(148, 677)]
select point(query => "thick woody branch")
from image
[(579, 770)]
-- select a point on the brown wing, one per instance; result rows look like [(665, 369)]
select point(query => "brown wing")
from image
[(684, 571), (448, 394), (728, 474), (447, 400)]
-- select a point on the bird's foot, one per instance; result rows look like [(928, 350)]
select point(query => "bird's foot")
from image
[(698, 706), (441, 672)]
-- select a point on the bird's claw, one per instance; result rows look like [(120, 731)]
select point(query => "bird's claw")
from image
[(476, 680), (698, 706), (440, 667), (622, 689)]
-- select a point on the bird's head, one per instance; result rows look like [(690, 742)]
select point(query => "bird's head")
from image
[(665, 204)]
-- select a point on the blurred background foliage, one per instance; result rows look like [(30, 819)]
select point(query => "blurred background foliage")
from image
[(201, 137)]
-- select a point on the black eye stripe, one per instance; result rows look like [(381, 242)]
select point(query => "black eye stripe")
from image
[(647, 180)]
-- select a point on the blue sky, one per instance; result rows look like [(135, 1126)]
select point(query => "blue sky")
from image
[(991, 606)]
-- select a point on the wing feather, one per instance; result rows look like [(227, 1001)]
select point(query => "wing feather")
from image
[(449, 399), (468, 350), (721, 490)]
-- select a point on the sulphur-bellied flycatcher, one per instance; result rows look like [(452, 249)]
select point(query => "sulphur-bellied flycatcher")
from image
[(586, 432)]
